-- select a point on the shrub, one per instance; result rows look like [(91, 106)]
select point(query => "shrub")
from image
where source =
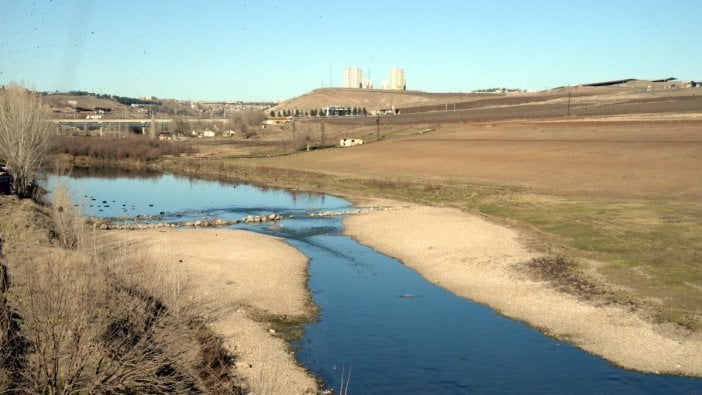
[(138, 148)]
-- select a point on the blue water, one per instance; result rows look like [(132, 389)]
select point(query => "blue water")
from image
[(369, 331)]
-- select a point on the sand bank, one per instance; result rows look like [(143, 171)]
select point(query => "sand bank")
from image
[(233, 275), (481, 261)]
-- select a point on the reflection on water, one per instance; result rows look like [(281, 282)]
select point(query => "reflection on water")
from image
[(110, 173), (394, 332), (179, 198)]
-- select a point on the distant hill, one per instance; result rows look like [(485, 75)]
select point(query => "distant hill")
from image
[(61, 102), (68, 105), (374, 99)]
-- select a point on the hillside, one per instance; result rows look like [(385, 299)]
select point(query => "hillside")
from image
[(374, 99), (417, 101)]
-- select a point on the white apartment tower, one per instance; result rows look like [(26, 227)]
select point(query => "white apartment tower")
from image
[(397, 79), (353, 77)]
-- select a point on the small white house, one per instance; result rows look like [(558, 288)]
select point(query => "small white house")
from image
[(350, 142), (208, 133)]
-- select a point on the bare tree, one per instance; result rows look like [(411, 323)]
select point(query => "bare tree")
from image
[(180, 125), (25, 137), (247, 122)]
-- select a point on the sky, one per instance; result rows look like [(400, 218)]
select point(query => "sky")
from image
[(275, 50)]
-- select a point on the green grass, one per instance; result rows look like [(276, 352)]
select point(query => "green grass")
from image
[(653, 248)]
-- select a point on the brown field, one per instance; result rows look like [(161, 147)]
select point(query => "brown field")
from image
[(619, 158)]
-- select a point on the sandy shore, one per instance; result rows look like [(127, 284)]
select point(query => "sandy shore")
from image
[(481, 261), (233, 275)]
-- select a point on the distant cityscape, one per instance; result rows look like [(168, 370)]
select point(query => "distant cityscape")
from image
[(353, 78)]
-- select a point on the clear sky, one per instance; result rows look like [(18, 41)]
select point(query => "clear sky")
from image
[(271, 50)]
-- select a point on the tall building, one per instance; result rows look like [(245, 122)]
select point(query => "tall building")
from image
[(353, 77), (397, 79)]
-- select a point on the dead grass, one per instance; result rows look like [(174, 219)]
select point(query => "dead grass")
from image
[(78, 317)]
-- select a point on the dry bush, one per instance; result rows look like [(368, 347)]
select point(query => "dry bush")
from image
[(97, 318), (91, 333), (68, 224), (139, 148)]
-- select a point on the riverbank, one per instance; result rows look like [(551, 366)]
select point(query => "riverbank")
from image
[(240, 280), (487, 263)]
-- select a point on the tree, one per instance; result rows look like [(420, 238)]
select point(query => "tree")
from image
[(272, 114), (247, 122), (181, 125), (25, 137)]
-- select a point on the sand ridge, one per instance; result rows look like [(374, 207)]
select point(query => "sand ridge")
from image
[(479, 260)]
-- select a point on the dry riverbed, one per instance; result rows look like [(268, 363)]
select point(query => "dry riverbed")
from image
[(487, 263), (236, 277)]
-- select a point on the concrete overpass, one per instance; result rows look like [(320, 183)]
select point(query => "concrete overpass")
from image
[(126, 123)]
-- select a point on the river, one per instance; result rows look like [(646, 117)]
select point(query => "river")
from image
[(381, 326)]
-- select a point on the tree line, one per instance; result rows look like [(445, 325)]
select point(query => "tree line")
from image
[(315, 112)]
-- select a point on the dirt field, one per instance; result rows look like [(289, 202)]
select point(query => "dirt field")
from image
[(660, 159)]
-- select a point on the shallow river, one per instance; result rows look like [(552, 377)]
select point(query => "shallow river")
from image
[(381, 326)]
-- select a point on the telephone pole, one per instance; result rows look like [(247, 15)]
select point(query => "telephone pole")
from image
[(321, 130), (377, 123)]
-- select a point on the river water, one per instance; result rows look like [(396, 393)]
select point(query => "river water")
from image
[(381, 326)]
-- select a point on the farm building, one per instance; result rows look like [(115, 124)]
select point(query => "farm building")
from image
[(350, 142)]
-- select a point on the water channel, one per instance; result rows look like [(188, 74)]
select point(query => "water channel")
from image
[(368, 327)]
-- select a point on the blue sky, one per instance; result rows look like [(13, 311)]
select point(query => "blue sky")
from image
[(271, 50)]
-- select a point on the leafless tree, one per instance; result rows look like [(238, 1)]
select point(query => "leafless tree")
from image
[(246, 122), (181, 125), (25, 137)]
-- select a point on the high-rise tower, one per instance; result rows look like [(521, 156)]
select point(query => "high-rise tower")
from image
[(353, 77), (397, 79)]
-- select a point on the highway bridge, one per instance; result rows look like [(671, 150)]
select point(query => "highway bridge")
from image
[(126, 123)]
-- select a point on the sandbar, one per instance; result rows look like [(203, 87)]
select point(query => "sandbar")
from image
[(233, 276), (484, 262)]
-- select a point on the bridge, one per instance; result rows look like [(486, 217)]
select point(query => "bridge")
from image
[(125, 123)]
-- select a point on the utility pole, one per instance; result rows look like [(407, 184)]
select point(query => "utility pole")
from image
[(321, 130), (569, 103), (377, 123)]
